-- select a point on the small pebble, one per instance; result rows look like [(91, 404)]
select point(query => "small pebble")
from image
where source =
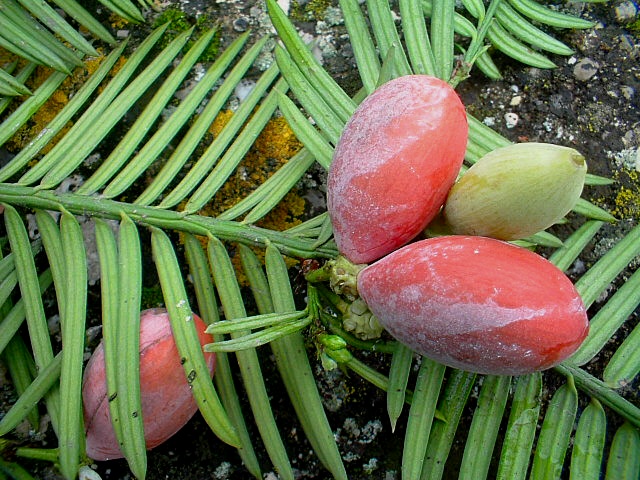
[(284, 5), (511, 119), (585, 69), (489, 121), (241, 24), (244, 89), (85, 473), (627, 91), (626, 11), (627, 43)]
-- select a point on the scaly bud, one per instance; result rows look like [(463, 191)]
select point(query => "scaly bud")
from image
[(359, 320)]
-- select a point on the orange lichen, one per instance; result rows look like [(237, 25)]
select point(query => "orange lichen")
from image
[(220, 121), (53, 105), (275, 145), (117, 22)]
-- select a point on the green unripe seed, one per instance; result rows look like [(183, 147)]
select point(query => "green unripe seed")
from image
[(516, 191)]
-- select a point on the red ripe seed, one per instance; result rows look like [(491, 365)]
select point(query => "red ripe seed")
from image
[(167, 401), (477, 304), (396, 160)]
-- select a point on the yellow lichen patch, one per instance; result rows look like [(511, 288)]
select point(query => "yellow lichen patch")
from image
[(272, 149), (311, 10), (219, 122), (627, 201), (117, 22), (277, 141), (53, 105), (275, 145), (622, 199)]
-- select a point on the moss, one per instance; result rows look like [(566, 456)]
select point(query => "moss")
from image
[(310, 11), (151, 297), (634, 28), (180, 22), (176, 17)]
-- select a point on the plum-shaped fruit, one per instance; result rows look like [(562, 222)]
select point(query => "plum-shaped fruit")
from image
[(394, 164), (516, 191), (167, 401), (477, 304)]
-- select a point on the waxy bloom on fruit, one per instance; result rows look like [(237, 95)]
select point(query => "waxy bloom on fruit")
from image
[(167, 401), (477, 304), (396, 160), (516, 191)]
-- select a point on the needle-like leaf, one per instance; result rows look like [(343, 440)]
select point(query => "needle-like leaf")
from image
[(417, 39), (451, 405), (308, 135), (231, 300), (84, 18), (598, 277), (624, 462), (293, 362), (187, 341), (9, 85), (442, 15), (22, 369), (223, 378), (87, 122), (53, 128), (196, 132), (555, 433), (112, 113), (308, 65), (127, 348), (264, 198), (609, 318), (110, 289), (421, 416), (47, 377), (588, 445), (401, 362), (72, 325), (625, 362), (521, 428), (50, 18), (545, 15), (386, 35), (364, 49), (214, 151), (14, 318), (29, 107), (33, 306), (147, 118), (481, 441)]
